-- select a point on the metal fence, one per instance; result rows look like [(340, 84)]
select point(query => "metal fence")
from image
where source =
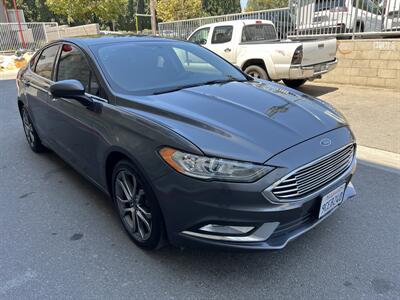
[(310, 18), (182, 29), (31, 36)]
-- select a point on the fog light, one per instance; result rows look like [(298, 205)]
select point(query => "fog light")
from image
[(227, 229)]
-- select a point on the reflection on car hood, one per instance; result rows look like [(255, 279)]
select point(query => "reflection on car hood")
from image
[(249, 121)]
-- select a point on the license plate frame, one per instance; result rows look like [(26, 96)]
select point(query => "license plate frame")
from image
[(331, 200)]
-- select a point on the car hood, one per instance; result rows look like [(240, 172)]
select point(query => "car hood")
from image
[(249, 121)]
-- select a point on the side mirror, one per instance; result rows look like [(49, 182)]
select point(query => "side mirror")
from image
[(201, 42), (71, 89), (67, 88)]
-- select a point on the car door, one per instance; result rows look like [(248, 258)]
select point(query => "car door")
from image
[(36, 83), (77, 129), (222, 42)]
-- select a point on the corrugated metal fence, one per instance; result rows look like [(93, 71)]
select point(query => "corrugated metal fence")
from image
[(308, 18)]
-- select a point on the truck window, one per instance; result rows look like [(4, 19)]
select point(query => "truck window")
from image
[(222, 34), (200, 36), (258, 32), (321, 5)]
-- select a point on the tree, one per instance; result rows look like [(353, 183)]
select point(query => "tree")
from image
[(254, 5), (36, 11), (171, 10), (78, 11), (218, 7)]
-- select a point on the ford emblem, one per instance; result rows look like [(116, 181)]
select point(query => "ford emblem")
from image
[(325, 142)]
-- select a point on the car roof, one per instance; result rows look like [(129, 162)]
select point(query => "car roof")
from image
[(237, 22), (107, 39)]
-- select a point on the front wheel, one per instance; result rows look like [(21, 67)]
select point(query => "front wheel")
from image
[(294, 83), (137, 207), (256, 72)]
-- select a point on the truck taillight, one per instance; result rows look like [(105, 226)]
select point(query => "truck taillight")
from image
[(297, 56), (258, 22)]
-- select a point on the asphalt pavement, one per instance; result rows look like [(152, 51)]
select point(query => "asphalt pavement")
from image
[(60, 238)]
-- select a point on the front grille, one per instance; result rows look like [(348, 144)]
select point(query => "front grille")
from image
[(315, 175)]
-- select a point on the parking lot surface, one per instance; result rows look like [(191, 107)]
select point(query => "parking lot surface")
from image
[(60, 237)]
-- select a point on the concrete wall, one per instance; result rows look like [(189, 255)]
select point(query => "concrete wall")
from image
[(54, 33), (367, 62)]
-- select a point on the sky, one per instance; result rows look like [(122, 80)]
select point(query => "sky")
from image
[(243, 3)]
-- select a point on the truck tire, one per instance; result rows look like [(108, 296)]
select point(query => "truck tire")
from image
[(256, 72), (294, 83)]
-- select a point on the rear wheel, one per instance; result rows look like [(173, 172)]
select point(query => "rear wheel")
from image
[(137, 207), (256, 72), (30, 132), (294, 83)]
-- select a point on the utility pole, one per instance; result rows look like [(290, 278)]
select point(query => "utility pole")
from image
[(153, 5)]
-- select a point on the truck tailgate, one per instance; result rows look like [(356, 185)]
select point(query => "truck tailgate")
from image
[(315, 52)]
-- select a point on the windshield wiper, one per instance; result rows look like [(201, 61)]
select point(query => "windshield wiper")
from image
[(178, 88)]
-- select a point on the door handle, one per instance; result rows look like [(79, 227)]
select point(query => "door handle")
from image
[(228, 50), (25, 82)]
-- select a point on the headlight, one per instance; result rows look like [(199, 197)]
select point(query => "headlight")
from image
[(213, 168)]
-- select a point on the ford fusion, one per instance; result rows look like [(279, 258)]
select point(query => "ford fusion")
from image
[(191, 150)]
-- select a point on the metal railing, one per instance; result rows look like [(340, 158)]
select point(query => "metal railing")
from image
[(30, 36), (281, 17), (310, 18)]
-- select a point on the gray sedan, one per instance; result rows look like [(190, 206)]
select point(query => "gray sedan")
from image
[(191, 150)]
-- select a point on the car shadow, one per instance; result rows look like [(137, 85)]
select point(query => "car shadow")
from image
[(316, 90)]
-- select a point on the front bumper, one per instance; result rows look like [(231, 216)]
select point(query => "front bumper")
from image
[(188, 205), (311, 72)]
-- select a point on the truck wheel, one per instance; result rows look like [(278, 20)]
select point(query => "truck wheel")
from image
[(256, 72), (294, 83)]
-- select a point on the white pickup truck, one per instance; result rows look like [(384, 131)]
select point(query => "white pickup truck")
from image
[(253, 46)]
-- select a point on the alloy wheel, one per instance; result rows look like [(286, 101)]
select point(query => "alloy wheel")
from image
[(133, 209), (28, 128)]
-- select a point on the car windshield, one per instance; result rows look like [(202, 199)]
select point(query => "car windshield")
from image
[(145, 68)]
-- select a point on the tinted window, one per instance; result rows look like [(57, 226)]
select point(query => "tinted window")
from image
[(45, 63), (328, 4), (143, 68), (200, 36), (222, 34), (258, 32), (73, 65)]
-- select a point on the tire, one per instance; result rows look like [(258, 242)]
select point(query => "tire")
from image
[(294, 83), (137, 206), (359, 27), (256, 72), (32, 137)]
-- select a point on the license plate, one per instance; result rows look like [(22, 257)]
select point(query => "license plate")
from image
[(331, 200), (319, 68)]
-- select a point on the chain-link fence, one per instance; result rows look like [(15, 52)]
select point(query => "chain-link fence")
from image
[(305, 18), (31, 36)]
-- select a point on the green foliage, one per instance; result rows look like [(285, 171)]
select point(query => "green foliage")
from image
[(78, 11), (36, 11), (219, 7), (254, 5), (170, 10)]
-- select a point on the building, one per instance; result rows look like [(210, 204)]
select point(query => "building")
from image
[(3, 12)]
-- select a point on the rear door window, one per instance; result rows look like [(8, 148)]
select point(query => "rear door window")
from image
[(45, 63), (222, 34), (258, 32), (73, 65)]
